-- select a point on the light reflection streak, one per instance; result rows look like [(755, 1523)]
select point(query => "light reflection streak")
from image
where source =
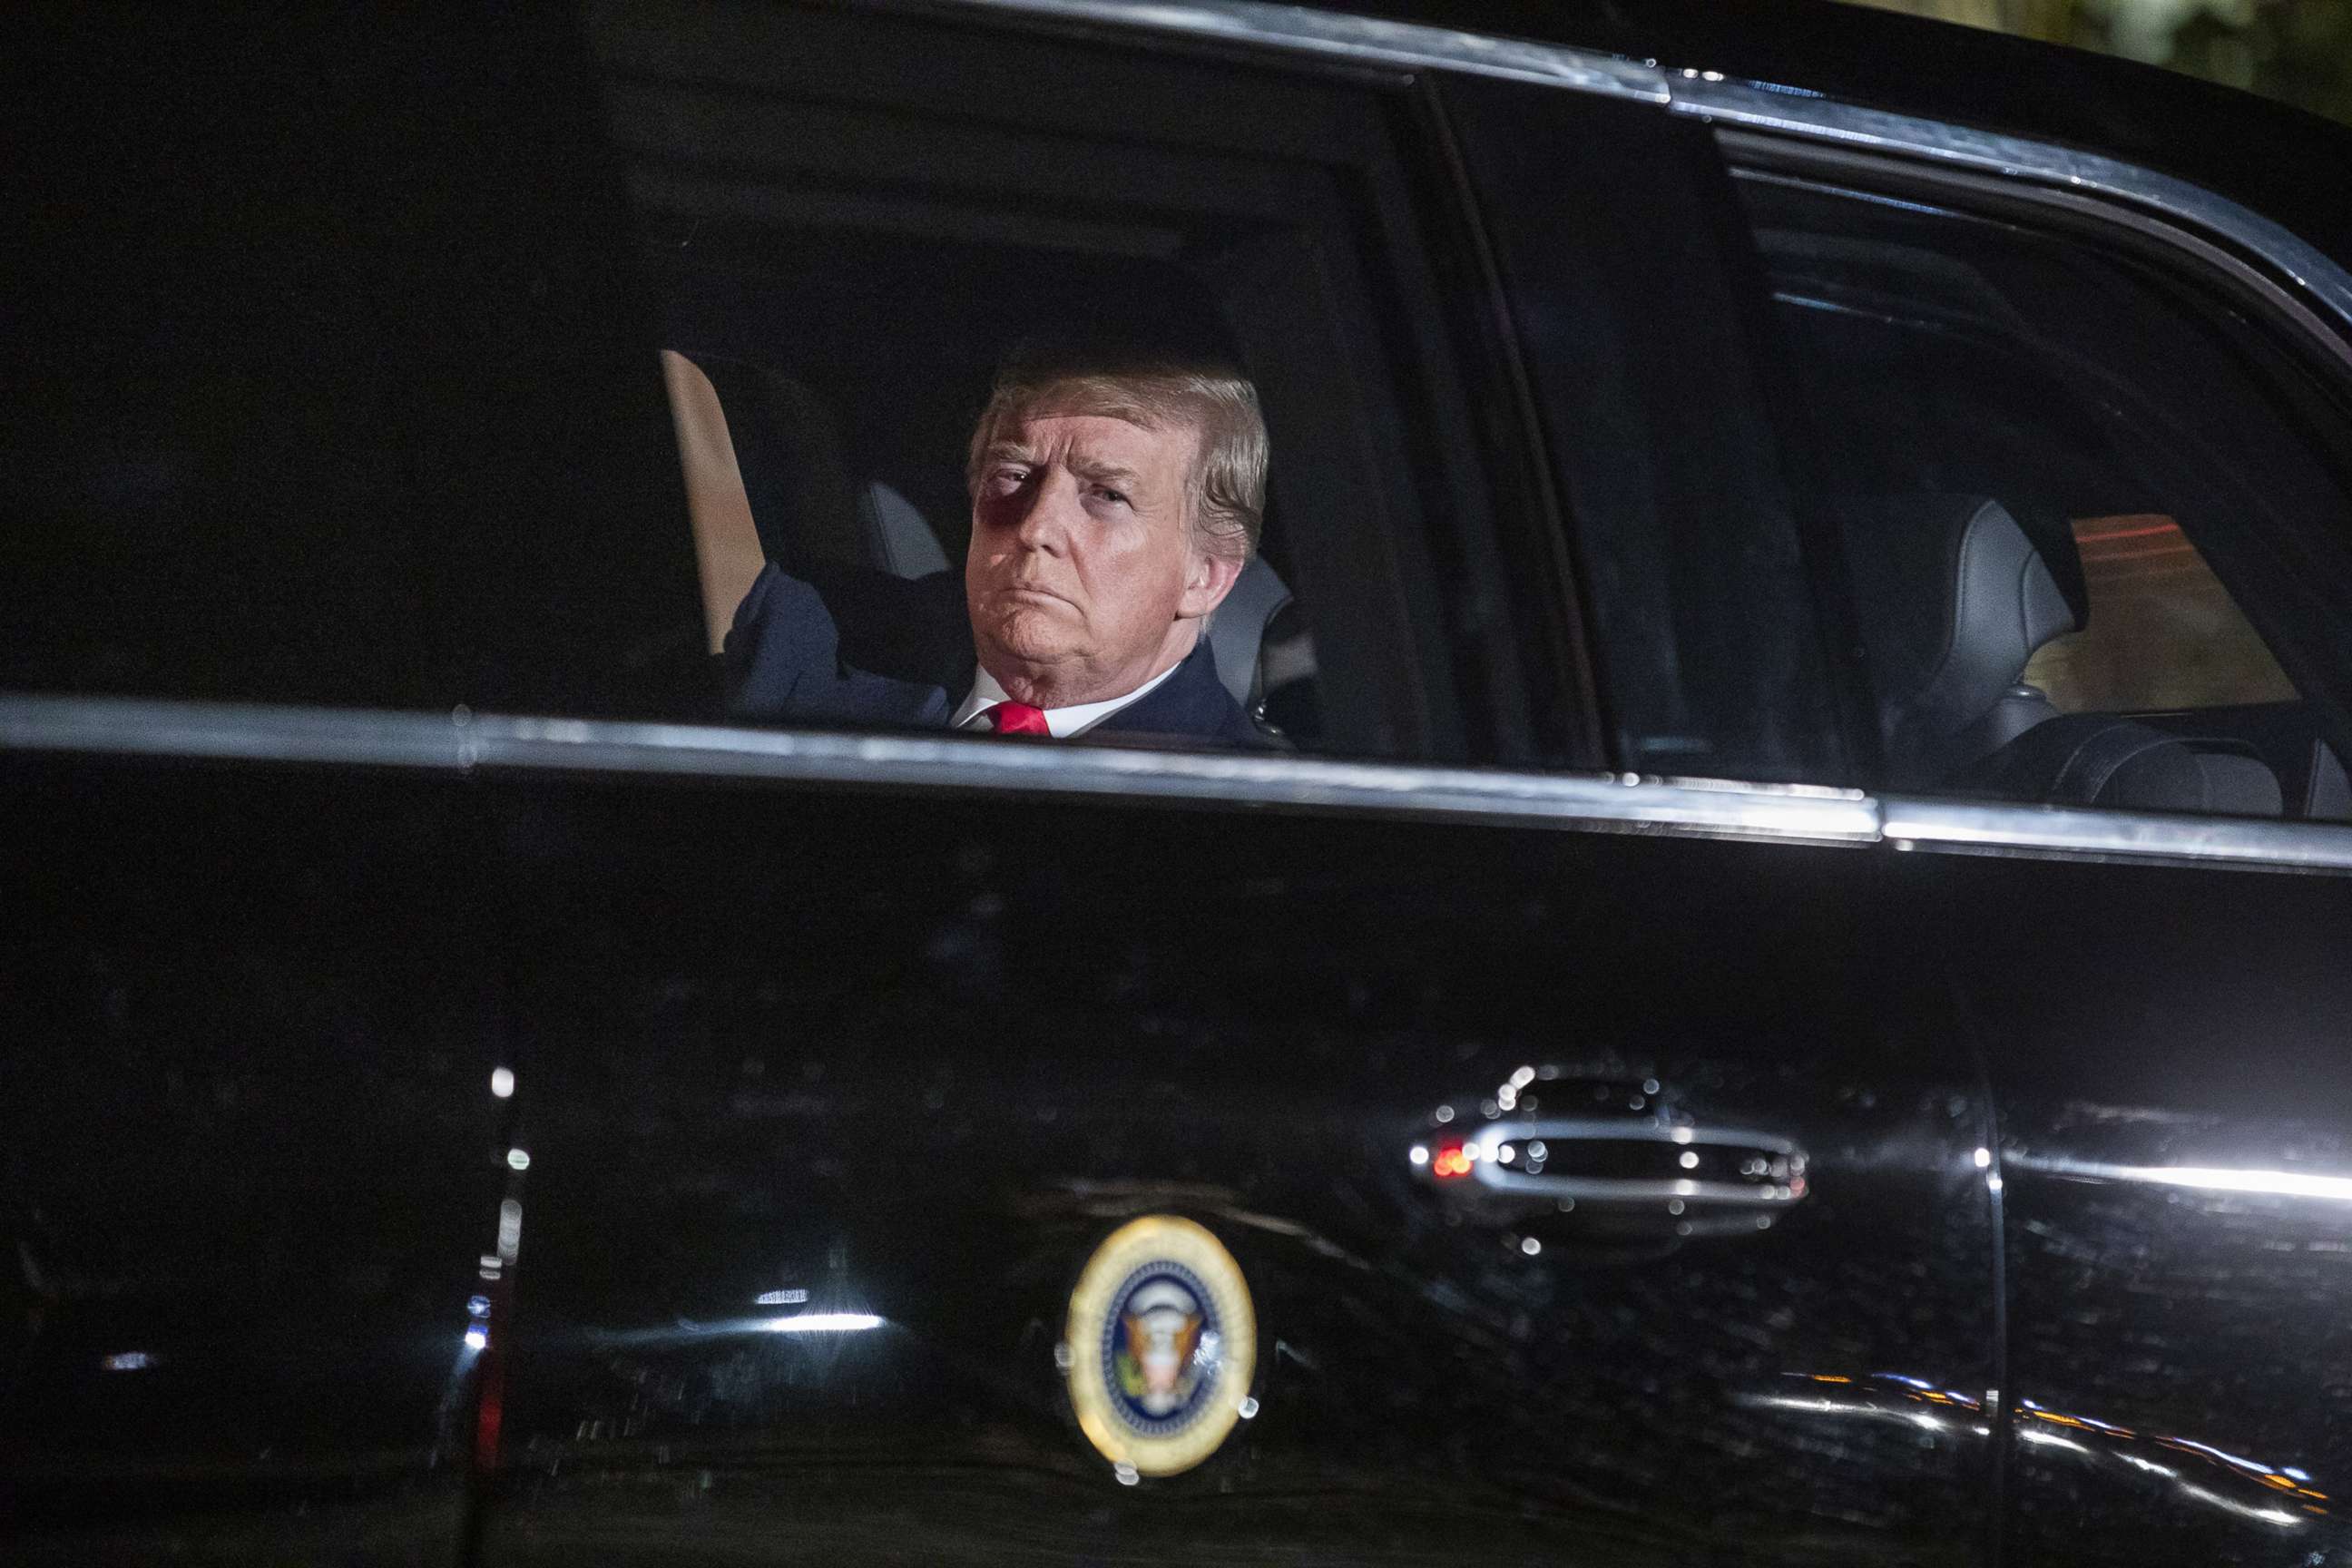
[(688, 1331), (2254, 1464), (821, 1323), (1821, 1406), (2248, 1511), (2034, 1427), (2210, 1178)]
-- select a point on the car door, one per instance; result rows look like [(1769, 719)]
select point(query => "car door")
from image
[(2164, 1041), (829, 1098), (311, 425), (1564, 1167)]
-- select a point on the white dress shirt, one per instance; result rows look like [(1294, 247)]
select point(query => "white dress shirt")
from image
[(1060, 722)]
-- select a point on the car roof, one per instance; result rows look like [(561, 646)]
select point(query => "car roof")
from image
[(2292, 166)]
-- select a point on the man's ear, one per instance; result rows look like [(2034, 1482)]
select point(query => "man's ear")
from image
[(1207, 582)]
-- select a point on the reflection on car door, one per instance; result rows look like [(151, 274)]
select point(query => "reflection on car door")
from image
[(2167, 1048), (904, 1064)]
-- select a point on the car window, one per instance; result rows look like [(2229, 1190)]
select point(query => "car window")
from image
[(2159, 631), (326, 374), (853, 222), (2080, 515)]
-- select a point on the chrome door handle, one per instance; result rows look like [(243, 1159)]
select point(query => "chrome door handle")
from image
[(1624, 1161)]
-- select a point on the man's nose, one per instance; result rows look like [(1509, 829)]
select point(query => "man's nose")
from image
[(1045, 523)]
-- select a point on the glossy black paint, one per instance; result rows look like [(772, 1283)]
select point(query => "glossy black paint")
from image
[(252, 1161), (918, 1066), (2282, 161), (2162, 1020), (915, 1056)]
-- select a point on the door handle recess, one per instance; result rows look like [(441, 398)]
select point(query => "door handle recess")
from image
[(1624, 1161)]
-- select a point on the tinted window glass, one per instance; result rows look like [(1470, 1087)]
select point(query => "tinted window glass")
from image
[(2159, 629), (326, 381), (2086, 512), (854, 221), (1614, 231)]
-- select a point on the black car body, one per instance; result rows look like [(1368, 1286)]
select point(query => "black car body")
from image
[(465, 1099)]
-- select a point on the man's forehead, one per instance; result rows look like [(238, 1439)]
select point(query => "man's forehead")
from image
[(1095, 437)]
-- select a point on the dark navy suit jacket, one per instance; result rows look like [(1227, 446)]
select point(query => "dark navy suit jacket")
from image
[(853, 646)]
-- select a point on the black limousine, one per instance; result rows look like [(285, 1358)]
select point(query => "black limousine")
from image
[(1778, 990)]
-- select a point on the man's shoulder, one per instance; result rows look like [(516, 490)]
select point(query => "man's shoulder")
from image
[(909, 629), (848, 642), (1192, 702)]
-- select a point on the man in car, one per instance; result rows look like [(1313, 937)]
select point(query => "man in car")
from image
[(1115, 499)]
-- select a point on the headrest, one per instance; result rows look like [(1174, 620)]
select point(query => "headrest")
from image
[(898, 539), (1952, 600), (1238, 631)]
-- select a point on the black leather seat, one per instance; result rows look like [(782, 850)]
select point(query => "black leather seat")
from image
[(1953, 600)]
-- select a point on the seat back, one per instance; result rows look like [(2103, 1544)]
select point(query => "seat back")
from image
[(2106, 760), (1238, 631), (1953, 600)]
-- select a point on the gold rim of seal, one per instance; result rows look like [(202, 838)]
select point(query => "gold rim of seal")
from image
[(1161, 1239)]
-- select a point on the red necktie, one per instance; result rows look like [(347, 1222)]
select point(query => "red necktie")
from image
[(1016, 719)]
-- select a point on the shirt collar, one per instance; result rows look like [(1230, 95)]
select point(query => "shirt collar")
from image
[(1060, 722)]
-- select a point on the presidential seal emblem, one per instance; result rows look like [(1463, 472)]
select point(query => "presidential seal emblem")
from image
[(1161, 1347)]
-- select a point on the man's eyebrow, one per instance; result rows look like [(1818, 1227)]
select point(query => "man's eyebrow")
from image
[(1008, 452), (1101, 470)]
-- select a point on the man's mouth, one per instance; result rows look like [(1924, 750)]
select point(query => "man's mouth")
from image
[(1031, 591)]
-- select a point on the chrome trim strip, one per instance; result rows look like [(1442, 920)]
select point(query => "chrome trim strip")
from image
[(1907, 821), (2021, 158), (1607, 1130), (1635, 1190), (133, 727), (1490, 1173), (1360, 40), (1371, 41)]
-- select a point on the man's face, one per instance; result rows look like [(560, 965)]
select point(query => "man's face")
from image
[(1084, 579)]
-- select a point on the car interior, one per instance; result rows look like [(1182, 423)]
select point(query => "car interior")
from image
[(1969, 437), (1954, 707), (1960, 401), (820, 457), (815, 461)]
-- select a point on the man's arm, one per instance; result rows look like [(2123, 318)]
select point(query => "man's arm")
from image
[(787, 658)]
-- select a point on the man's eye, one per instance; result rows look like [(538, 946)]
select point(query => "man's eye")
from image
[(1118, 497), (1009, 479)]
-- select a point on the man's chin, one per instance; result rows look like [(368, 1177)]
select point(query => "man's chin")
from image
[(1035, 637)]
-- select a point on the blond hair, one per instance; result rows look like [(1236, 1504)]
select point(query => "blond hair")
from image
[(1227, 484)]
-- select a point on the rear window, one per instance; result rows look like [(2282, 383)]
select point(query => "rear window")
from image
[(2082, 509), (2161, 634)]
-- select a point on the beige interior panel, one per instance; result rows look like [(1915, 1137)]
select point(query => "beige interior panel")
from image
[(726, 545)]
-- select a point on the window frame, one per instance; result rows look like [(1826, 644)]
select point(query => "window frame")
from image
[(47, 730), (1506, 680), (2310, 360)]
